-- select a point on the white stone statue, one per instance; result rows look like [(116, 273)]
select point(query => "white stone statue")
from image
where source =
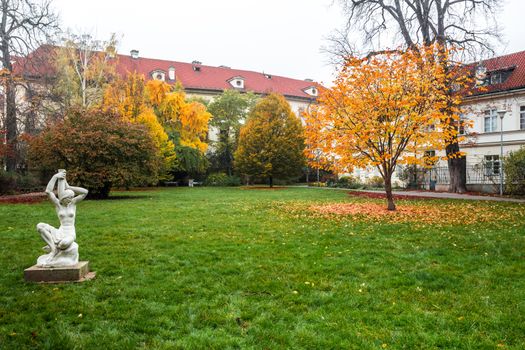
[(61, 246)]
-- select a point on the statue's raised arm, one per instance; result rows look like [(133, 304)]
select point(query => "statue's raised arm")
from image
[(78, 192), (51, 186)]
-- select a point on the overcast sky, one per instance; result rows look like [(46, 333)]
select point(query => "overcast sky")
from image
[(280, 37)]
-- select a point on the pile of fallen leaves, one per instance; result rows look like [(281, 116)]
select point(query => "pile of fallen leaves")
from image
[(428, 212)]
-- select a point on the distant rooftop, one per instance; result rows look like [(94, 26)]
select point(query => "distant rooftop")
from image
[(193, 76)]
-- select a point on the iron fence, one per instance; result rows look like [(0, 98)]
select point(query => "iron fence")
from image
[(478, 174)]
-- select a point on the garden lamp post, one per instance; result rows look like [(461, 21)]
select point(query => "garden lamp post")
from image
[(501, 114)]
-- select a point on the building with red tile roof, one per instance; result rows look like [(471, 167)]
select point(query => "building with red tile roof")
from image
[(199, 78), (496, 113), (196, 78), (500, 74)]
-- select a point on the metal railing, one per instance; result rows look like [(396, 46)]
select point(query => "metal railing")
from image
[(478, 174)]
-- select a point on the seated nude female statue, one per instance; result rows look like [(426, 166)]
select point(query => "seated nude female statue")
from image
[(61, 246)]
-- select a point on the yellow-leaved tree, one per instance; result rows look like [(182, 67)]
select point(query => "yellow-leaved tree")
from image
[(383, 111), (187, 122), (178, 127), (129, 99)]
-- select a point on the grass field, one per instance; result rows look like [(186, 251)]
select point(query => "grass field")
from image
[(230, 268)]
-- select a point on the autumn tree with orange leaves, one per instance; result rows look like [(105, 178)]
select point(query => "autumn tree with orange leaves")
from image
[(383, 111)]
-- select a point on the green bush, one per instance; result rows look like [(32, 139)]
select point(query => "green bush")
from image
[(11, 183), (234, 181), (346, 182), (221, 179), (7, 182), (99, 150), (514, 168), (375, 182)]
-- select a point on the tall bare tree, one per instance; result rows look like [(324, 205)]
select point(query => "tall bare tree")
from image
[(24, 24), (469, 24)]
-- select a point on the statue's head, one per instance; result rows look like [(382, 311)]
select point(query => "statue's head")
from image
[(66, 197)]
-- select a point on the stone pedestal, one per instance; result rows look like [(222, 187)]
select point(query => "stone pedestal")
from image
[(75, 273)]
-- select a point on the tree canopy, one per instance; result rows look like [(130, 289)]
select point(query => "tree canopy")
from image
[(229, 109), (271, 144), (99, 149), (178, 127), (382, 111)]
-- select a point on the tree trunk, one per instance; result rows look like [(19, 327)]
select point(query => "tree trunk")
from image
[(271, 181), (457, 166), (388, 190), (457, 170), (307, 175), (30, 115), (10, 126)]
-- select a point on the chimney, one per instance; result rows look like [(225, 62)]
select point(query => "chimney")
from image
[(134, 54), (171, 73), (196, 65)]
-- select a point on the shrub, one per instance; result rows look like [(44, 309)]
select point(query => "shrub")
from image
[(514, 168), (375, 182), (221, 179), (7, 182), (346, 182), (11, 182), (98, 149)]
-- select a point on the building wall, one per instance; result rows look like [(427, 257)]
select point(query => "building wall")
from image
[(483, 143)]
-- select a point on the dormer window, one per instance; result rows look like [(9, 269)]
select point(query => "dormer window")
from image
[(171, 73), (158, 75), (237, 82), (312, 91), (494, 77), (500, 76)]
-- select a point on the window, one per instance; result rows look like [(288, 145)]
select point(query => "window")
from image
[(491, 118), (430, 157), (158, 75), (312, 91), (522, 118), (461, 126), (495, 78), (237, 82), (492, 165), (498, 77)]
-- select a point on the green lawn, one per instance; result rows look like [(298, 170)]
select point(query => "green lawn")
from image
[(227, 268)]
